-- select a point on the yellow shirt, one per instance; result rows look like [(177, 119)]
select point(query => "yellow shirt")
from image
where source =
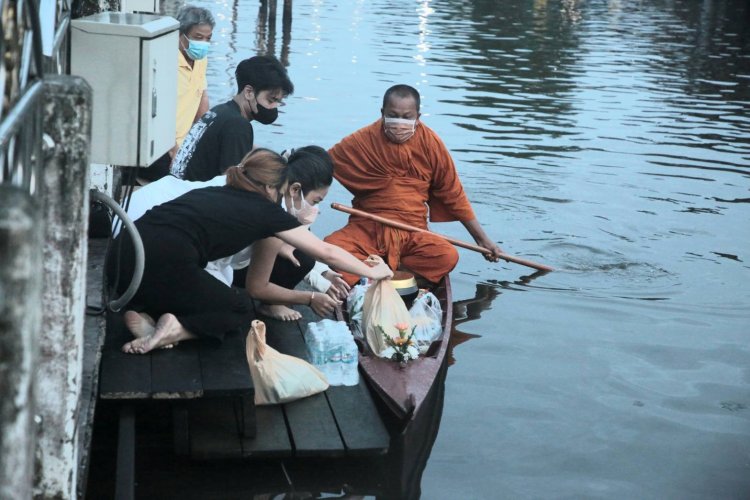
[(191, 83)]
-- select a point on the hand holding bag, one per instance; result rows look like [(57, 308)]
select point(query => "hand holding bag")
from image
[(279, 378)]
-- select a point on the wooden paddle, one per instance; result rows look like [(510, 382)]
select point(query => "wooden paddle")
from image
[(458, 243)]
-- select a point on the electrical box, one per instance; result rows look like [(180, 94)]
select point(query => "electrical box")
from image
[(130, 61), (139, 6)]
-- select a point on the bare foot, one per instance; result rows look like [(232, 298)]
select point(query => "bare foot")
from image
[(168, 330), (139, 324), (276, 311), (142, 325)]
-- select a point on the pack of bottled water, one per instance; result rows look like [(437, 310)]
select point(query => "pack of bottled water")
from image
[(331, 348)]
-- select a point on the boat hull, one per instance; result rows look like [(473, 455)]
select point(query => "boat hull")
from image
[(404, 386)]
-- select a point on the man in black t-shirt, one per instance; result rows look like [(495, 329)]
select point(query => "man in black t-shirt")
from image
[(224, 135)]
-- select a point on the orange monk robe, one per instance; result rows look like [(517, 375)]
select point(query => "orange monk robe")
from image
[(400, 182)]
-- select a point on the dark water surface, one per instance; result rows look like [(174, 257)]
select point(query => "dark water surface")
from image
[(610, 139)]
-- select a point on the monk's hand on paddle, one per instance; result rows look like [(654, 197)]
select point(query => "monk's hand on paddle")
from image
[(339, 288), (382, 271), (287, 251), (494, 251), (323, 304)]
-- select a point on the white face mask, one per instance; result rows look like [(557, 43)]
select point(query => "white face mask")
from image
[(399, 130), (307, 213)]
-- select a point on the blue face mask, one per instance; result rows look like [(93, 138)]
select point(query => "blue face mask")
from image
[(197, 50)]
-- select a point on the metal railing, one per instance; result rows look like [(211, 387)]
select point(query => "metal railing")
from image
[(21, 117), (57, 63)]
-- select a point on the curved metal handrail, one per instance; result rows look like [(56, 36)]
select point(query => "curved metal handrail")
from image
[(37, 37), (135, 281), (21, 114)]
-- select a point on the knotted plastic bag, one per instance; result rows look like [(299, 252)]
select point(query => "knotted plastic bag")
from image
[(383, 308), (426, 316), (279, 378), (355, 301)]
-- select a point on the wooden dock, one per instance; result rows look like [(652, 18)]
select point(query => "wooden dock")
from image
[(177, 422), (206, 389)]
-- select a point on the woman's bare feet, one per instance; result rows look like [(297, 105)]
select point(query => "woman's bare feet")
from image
[(139, 324), (168, 330), (142, 325), (276, 311)]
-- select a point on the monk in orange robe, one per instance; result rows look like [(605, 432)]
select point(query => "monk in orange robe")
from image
[(399, 168)]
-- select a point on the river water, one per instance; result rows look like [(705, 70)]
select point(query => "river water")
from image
[(609, 139)]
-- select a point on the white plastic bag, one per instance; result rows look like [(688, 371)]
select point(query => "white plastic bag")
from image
[(426, 316), (354, 304), (277, 377), (383, 309)]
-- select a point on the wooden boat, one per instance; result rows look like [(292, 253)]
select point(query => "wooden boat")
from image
[(404, 386)]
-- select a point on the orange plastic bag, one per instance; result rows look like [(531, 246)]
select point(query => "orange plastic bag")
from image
[(384, 308), (279, 378)]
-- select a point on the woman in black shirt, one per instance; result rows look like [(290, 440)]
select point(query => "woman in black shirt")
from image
[(180, 237)]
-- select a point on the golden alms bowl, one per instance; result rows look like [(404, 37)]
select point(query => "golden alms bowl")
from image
[(406, 286)]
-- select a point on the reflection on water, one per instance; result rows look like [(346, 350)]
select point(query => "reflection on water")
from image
[(607, 138), (469, 310), (265, 39)]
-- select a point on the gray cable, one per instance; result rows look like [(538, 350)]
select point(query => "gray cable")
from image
[(135, 282)]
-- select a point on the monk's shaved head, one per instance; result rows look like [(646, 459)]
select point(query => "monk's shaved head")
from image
[(401, 91)]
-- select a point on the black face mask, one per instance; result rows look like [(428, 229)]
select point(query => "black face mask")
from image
[(265, 116)]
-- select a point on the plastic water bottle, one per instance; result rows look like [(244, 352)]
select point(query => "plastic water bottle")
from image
[(333, 351), (333, 361), (349, 362), (316, 348)]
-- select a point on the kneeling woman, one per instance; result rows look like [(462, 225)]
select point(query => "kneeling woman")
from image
[(181, 236), (309, 179)]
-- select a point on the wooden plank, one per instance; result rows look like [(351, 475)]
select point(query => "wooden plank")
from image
[(122, 376), (286, 337), (225, 373), (213, 430), (272, 439), (224, 368), (362, 430), (93, 341), (313, 428), (248, 424), (176, 372), (181, 428), (358, 420), (125, 472), (311, 423)]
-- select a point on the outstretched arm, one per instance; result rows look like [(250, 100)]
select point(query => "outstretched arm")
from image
[(476, 231), (334, 256), (259, 286)]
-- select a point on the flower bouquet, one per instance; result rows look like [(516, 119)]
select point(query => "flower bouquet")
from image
[(402, 348)]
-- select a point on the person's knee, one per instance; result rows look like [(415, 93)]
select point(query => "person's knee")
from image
[(445, 258), (451, 257), (433, 260), (306, 263), (240, 302)]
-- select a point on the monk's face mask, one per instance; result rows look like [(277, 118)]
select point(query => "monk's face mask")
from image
[(399, 130)]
